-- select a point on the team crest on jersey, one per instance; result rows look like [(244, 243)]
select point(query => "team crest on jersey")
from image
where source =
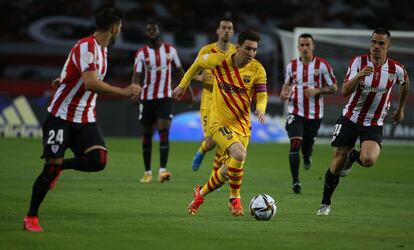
[(87, 57), (55, 148), (391, 77), (246, 78)]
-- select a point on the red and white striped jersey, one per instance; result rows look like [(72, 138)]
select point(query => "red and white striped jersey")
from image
[(317, 74), (370, 101), (156, 65), (71, 101)]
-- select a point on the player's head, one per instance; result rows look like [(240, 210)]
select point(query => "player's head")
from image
[(108, 19), (225, 30), (247, 44), (306, 45), (380, 43), (152, 30)]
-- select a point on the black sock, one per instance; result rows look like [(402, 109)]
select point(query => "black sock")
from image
[(294, 160), (164, 147), (77, 163), (41, 187), (307, 148), (354, 156), (146, 150), (331, 181)]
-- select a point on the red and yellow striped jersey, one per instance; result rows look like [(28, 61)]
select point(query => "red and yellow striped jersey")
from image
[(208, 79), (233, 90)]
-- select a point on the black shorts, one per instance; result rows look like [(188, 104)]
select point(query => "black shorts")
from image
[(346, 133), (298, 126), (58, 135), (152, 110)]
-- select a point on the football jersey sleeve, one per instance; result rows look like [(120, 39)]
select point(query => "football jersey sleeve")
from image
[(327, 74), (87, 56), (353, 69), (402, 76), (288, 74), (139, 62), (175, 59)]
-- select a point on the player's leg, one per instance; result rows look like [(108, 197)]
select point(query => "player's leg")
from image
[(55, 141), (218, 159), (89, 148), (148, 119), (207, 144), (164, 116), (344, 138), (295, 128), (371, 141), (309, 136)]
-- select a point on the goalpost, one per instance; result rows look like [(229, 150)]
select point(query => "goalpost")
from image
[(338, 47)]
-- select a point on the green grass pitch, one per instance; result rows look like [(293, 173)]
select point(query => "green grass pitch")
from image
[(372, 208)]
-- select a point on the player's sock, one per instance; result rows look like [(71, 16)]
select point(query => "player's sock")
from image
[(41, 186), (216, 161), (354, 156), (94, 161), (203, 148), (307, 148), (235, 171), (215, 181), (331, 181), (146, 150), (294, 159), (164, 147)]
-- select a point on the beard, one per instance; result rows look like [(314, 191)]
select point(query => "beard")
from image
[(112, 40)]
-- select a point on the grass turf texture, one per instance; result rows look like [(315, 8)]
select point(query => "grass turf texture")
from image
[(372, 208)]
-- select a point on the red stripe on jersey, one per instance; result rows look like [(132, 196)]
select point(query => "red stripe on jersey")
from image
[(104, 54), (317, 85), (295, 87), (245, 108), (354, 101), (236, 71), (220, 79), (305, 98), (86, 110), (74, 103), (370, 97), (148, 75), (158, 74), (378, 111), (167, 78)]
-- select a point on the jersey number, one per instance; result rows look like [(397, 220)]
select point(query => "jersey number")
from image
[(225, 131), (337, 130), (55, 137)]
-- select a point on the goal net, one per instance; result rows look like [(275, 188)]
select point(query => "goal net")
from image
[(338, 47)]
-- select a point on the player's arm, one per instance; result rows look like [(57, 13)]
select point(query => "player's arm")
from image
[(261, 104), (285, 93), (354, 76), (92, 83), (398, 115), (178, 92), (181, 74)]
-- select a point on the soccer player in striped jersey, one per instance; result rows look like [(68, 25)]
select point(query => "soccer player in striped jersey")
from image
[(71, 122), (224, 46), (154, 62), (308, 78), (368, 83), (238, 77)]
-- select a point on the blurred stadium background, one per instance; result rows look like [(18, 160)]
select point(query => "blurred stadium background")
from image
[(37, 35)]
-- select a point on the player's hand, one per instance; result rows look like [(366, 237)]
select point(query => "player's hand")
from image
[(55, 83), (178, 92), (260, 116), (132, 91), (368, 70), (284, 95), (311, 92), (398, 116)]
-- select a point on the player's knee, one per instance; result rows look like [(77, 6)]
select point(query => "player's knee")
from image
[(240, 154), (366, 161), (50, 171), (97, 158), (295, 144), (210, 144)]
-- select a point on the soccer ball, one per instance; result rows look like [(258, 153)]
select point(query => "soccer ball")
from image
[(262, 207)]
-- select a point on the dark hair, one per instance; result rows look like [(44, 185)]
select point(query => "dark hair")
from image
[(382, 31), (106, 16), (248, 35), (306, 35)]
